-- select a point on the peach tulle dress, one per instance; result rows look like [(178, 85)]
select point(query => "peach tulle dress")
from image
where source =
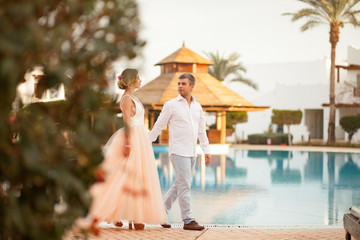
[(131, 190)]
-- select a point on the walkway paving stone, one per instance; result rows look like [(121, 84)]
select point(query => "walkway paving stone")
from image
[(157, 233), (276, 234)]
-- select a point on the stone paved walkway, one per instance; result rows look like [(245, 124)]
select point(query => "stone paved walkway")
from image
[(157, 233)]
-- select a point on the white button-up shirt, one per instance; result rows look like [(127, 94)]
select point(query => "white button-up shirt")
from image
[(186, 125)]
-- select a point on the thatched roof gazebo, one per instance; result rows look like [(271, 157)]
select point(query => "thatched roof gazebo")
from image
[(209, 92)]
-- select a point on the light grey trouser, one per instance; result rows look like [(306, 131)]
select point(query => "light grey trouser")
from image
[(182, 187)]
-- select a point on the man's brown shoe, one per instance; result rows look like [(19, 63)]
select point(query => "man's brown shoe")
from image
[(119, 224), (139, 226), (166, 225), (193, 226)]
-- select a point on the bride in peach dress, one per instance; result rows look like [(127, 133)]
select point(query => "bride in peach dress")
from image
[(131, 190)]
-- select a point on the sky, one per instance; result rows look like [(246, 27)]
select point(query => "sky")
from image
[(255, 29)]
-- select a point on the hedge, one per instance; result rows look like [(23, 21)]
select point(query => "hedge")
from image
[(261, 138)]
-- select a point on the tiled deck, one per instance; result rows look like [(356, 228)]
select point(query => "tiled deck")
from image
[(157, 233)]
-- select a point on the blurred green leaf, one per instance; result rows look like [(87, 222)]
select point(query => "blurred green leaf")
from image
[(59, 145)]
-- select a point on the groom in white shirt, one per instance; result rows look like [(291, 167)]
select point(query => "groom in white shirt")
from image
[(186, 124)]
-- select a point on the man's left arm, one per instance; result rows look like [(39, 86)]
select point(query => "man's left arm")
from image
[(204, 141)]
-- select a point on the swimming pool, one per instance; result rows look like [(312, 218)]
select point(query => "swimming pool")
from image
[(270, 187)]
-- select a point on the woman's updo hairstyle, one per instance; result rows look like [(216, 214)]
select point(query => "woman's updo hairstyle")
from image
[(127, 77)]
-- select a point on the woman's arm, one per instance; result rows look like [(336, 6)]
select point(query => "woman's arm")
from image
[(126, 107)]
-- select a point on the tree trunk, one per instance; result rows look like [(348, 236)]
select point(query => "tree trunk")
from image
[(331, 128), (334, 38), (350, 137), (289, 135)]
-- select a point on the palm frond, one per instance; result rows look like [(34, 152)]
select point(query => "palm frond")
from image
[(227, 67), (339, 7), (328, 7), (314, 3), (322, 6), (307, 12), (353, 21), (351, 5), (343, 5), (234, 56), (311, 24), (246, 82), (351, 17)]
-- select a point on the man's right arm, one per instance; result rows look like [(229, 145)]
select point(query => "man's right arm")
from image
[(161, 122)]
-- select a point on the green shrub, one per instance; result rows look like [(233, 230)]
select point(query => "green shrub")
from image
[(233, 118), (286, 117), (261, 138), (350, 124)]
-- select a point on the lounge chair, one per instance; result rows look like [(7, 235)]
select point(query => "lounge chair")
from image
[(352, 223)]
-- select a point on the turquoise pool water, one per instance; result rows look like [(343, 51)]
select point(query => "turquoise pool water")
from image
[(270, 188)]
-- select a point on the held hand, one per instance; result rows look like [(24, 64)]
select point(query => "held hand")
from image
[(126, 150), (127, 146), (207, 159)]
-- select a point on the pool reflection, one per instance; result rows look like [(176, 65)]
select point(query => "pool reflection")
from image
[(261, 187)]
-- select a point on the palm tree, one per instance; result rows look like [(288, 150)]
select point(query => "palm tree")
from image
[(335, 14), (228, 68)]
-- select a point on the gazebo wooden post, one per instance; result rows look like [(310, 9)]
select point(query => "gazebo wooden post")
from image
[(146, 118), (223, 168), (218, 121), (223, 128)]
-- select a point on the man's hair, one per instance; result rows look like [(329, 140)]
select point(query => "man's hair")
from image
[(188, 76)]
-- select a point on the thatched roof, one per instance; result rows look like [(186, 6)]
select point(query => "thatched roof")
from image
[(185, 55), (208, 91)]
